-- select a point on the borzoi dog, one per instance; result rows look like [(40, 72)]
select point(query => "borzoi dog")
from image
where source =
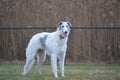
[(54, 44)]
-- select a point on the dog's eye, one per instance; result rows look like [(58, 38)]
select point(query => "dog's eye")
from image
[(67, 26), (62, 26)]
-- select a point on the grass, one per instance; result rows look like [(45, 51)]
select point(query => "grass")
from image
[(72, 72)]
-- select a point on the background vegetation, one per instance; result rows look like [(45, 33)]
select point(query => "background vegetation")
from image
[(100, 46), (74, 72)]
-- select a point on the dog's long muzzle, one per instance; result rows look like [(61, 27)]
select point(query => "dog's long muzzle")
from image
[(62, 36), (66, 32)]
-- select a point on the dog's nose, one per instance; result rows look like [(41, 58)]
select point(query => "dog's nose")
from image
[(65, 32)]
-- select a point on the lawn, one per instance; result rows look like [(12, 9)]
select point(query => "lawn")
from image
[(72, 72)]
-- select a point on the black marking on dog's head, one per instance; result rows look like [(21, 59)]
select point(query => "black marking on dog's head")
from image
[(60, 24), (69, 24), (64, 29)]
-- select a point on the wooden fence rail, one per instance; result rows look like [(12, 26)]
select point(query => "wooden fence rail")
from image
[(85, 44)]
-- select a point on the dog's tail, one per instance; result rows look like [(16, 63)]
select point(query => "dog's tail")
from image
[(44, 57), (41, 57)]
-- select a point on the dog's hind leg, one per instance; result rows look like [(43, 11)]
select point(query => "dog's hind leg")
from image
[(29, 61), (28, 66), (38, 63)]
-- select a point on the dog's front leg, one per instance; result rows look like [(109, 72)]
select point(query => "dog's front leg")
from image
[(54, 64), (62, 64)]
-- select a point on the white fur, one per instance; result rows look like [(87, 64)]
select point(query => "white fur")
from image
[(54, 44)]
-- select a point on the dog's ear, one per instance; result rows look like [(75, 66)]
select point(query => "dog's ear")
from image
[(59, 24), (69, 24)]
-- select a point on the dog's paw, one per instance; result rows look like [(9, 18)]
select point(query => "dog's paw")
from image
[(63, 75), (56, 76), (24, 73)]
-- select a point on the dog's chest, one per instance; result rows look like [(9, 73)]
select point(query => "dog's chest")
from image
[(61, 43), (54, 43)]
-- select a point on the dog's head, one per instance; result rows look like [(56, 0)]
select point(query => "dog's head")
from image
[(64, 28)]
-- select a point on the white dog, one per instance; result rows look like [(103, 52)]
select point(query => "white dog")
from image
[(54, 44)]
